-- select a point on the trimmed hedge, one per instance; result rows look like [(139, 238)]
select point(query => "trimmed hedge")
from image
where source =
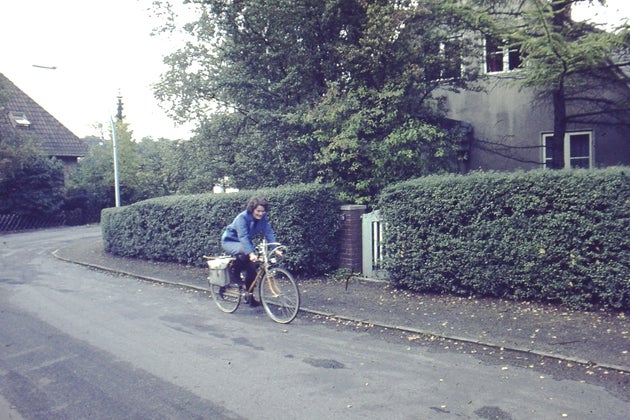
[(555, 236), (183, 228)]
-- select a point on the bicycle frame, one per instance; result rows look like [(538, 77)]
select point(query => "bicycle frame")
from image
[(266, 261), (277, 290)]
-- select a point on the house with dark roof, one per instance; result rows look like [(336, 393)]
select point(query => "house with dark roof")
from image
[(22, 118)]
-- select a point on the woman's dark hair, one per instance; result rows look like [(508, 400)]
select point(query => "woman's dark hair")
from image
[(255, 202)]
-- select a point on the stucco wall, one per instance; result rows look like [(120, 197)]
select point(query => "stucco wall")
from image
[(508, 123)]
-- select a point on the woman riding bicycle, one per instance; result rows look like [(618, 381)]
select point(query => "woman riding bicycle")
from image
[(237, 238)]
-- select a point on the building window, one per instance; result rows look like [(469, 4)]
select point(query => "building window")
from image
[(501, 56), (453, 66), (446, 63), (19, 119), (577, 150)]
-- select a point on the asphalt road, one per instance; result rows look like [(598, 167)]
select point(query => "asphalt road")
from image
[(79, 343)]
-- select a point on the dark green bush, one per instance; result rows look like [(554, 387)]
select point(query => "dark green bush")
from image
[(31, 183), (556, 236), (183, 228)]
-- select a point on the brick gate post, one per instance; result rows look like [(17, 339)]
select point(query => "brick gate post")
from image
[(350, 248)]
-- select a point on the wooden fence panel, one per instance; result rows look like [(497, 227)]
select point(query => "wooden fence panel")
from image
[(17, 222)]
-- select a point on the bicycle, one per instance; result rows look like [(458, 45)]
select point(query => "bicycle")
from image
[(277, 290)]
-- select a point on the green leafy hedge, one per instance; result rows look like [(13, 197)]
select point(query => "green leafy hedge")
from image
[(557, 236), (183, 228)]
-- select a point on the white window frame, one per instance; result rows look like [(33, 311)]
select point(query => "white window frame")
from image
[(19, 119), (459, 71), (568, 160), (505, 56), (442, 76)]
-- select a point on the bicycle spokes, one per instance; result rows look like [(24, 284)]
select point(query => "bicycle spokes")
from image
[(280, 296), (278, 291), (227, 298), (272, 285)]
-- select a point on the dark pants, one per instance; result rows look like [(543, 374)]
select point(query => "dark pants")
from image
[(242, 262)]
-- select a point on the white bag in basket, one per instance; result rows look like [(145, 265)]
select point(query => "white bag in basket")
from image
[(219, 274), (219, 263)]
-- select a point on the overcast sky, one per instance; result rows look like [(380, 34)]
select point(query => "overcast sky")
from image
[(103, 48), (100, 48)]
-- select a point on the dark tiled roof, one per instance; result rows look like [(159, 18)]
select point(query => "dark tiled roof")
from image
[(54, 137)]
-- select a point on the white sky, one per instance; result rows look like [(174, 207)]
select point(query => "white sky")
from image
[(614, 12), (103, 48)]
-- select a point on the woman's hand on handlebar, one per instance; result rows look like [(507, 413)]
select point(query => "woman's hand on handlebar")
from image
[(253, 257)]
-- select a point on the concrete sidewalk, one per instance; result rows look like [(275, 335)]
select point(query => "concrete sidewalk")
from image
[(599, 338)]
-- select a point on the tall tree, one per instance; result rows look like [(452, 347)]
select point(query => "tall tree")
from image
[(119, 109), (337, 90), (164, 168), (377, 123), (94, 175), (91, 185), (253, 65)]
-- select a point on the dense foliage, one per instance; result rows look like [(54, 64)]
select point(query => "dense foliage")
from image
[(183, 228), (339, 91), (147, 168), (543, 235), (31, 183)]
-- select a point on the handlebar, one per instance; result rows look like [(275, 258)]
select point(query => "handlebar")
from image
[(273, 255)]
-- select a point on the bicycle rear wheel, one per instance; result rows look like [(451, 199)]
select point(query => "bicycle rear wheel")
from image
[(227, 297), (279, 295)]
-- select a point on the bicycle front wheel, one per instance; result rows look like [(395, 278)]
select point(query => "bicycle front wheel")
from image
[(279, 295), (227, 297)]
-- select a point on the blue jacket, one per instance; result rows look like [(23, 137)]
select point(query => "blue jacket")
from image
[(244, 228)]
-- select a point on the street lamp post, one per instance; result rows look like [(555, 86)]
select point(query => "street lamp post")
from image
[(115, 145)]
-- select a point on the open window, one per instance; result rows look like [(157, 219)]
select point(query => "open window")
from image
[(501, 56)]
